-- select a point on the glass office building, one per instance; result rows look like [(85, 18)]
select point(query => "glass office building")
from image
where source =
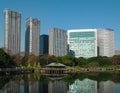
[(32, 36), (83, 42), (12, 28), (57, 42), (43, 44)]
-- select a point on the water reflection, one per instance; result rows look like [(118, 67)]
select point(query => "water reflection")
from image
[(31, 86), (106, 87), (57, 86), (11, 87), (84, 86), (36, 83)]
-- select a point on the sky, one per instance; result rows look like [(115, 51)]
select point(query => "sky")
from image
[(65, 14)]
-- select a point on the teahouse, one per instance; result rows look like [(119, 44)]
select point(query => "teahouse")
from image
[(55, 69)]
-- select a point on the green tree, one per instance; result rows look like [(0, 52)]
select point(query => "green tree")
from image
[(102, 60), (17, 59), (32, 60), (115, 59), (82, 61), (5, 60), (47, 59), (59, 59), (68, 60), (93, 64)]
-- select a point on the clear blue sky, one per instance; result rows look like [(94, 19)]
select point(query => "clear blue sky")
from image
[(66, 14)]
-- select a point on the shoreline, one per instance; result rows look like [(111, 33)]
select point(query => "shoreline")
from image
[(9, 71), (94, 69), (83, 69), (68, 70)]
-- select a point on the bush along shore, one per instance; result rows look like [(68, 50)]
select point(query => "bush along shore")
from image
[(12, 71), (73, 64), (93, 69)]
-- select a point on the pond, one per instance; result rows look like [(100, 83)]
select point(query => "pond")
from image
[(70, 83)]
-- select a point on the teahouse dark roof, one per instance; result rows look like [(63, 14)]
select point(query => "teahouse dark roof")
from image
[(55, 65)]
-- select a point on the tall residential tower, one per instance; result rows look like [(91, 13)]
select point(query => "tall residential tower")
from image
[(57, 42), (32, 36), (12, 27), (105, 42)]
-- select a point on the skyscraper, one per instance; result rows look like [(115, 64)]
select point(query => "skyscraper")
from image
[(12, 27), (32, 36), (43, 44), (82, 42), (91, 42), (57, 42), (105, 42)]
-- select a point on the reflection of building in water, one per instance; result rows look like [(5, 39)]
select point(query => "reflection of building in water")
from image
[(57, 87), (43, 87), (1, 91), (31, 86), (11, 87), (117, 88), (85, 86), (22, 84), (106, 87)]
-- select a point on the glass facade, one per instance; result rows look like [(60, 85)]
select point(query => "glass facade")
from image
[(82, 43), (43, 44)]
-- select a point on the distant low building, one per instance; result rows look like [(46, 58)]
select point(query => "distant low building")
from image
[(117, 52), (22, 53)]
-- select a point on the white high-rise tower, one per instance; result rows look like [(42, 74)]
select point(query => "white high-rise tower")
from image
[(12, 27), (32, 33), (57, 42), (105, 42)]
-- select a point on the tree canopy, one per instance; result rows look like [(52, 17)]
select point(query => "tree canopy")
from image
[(5, 60)]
